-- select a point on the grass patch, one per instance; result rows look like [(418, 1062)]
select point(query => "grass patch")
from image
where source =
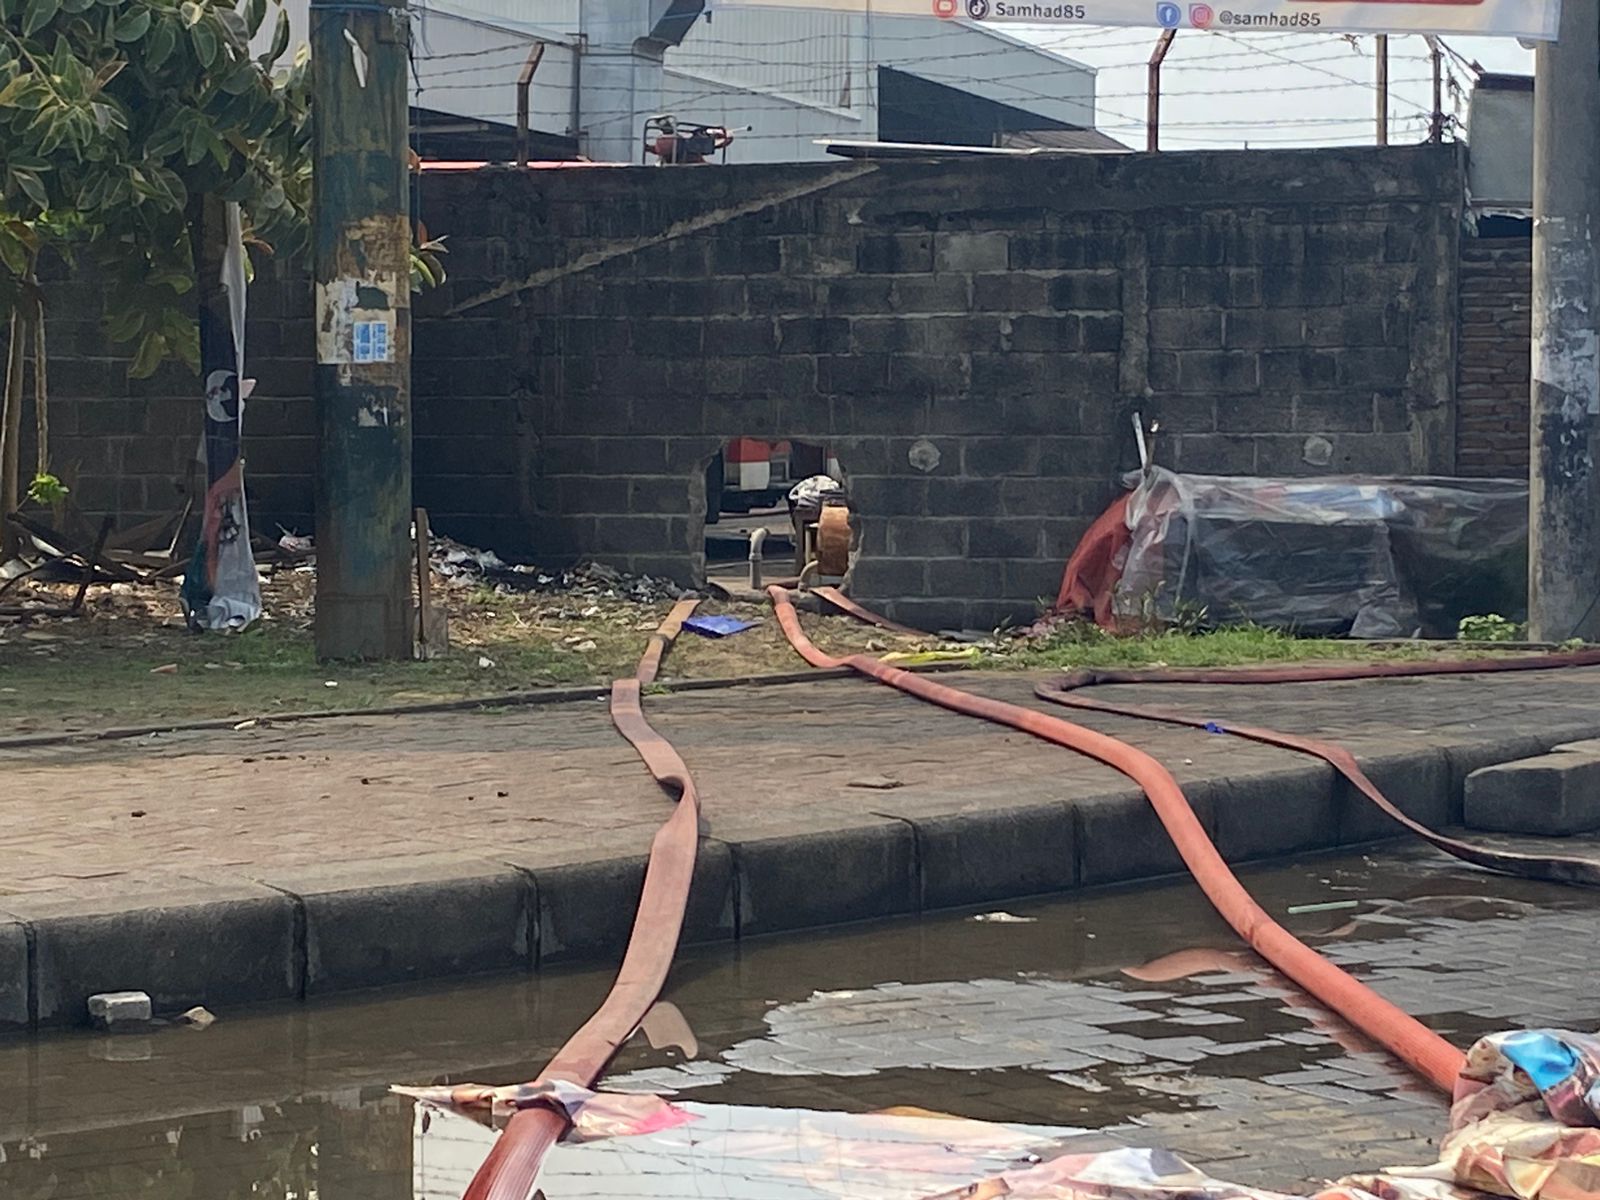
[(1086, 645)]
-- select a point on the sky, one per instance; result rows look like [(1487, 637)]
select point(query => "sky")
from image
[(1229, 90)]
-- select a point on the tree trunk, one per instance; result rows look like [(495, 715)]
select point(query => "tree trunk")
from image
[(11, 436), (41, 392)]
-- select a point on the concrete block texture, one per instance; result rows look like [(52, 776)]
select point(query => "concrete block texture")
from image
[(853, 873), (214, 946), (1554, 794), (14, 982), (386, 922), (1283, 294), (587, 909)]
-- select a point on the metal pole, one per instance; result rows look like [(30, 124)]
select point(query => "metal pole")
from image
[(1383, 89), (1436, 119), (1152, 102), (1564, 481), (362, 241), (524, 82)]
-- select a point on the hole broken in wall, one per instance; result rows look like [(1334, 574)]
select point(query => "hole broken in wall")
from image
[(747, 488)]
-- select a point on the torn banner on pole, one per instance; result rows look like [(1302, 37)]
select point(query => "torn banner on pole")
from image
[(221, 589), (1533, 19)]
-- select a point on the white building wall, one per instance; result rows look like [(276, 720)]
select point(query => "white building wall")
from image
[(793, 76)]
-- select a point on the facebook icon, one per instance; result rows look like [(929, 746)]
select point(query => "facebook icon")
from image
[(1169, 16)]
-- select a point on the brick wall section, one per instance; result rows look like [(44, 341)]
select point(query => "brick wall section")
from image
[(128, 446), (1492, 375), (604, 331), (1012, 314)]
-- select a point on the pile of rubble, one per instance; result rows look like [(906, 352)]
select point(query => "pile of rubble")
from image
[(467, 566)]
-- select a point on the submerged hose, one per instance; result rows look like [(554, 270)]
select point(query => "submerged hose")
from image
[(1413, 1043), (1551, 868), (512, 1166)]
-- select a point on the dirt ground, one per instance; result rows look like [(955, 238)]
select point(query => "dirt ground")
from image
[(130, 660)]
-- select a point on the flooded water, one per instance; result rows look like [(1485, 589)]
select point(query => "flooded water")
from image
[(1130, 1012)]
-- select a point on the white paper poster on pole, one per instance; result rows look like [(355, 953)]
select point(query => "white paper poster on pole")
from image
[(1532, 19)]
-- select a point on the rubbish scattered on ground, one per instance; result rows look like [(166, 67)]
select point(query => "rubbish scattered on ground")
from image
[(165, 669), (1295, 910), (1213, 727), (1004, 918), (468, 566), (878, 783), (111, 1010), (718, 627), (585, 646), (199, 1017), (330, 683), (243, 725), (485, 661)]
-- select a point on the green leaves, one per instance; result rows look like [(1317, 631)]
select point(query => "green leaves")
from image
[(205, 43), (114, 116), (133, 25), (32, 186), (38, 14), (158, 47), (280, 41), (152, 349)]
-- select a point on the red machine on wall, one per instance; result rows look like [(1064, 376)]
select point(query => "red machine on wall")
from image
[(752, 474), (682, 143)]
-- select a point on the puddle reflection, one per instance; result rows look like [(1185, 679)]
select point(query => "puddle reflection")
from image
[(1134, 1006)]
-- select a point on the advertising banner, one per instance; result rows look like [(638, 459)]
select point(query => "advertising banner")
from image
[(1531, 19)]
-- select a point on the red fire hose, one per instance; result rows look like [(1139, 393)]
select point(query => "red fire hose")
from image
[(1551, 868), (509, 1171), (511, 1168), (1403, 1035)]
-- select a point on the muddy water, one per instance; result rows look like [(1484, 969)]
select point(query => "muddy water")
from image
[(1131, 1012)]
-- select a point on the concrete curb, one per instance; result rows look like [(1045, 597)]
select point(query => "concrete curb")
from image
[(533, 698), (359, 925)]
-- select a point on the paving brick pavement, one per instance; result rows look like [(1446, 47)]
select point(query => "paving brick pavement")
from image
[(552, 809)]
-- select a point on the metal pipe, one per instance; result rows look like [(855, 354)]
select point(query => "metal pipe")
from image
[(524, 83), (1383, 89), (1152, 102), (580, 43), (758, 539), (809, 569), (1436, 119)]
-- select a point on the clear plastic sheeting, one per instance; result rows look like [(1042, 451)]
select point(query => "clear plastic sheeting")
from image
[(1522, 1128), (1365, 556)]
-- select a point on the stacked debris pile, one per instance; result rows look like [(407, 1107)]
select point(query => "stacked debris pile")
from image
[(467, 566)]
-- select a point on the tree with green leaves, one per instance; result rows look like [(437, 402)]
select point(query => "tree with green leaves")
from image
[(123, 124)]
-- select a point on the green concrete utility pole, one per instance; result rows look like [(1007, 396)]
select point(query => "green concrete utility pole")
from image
[(363, 326), (1564, 472)]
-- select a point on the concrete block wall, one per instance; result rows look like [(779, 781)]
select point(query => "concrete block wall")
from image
[(1492, 371), (971, 338), (129, 447)]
